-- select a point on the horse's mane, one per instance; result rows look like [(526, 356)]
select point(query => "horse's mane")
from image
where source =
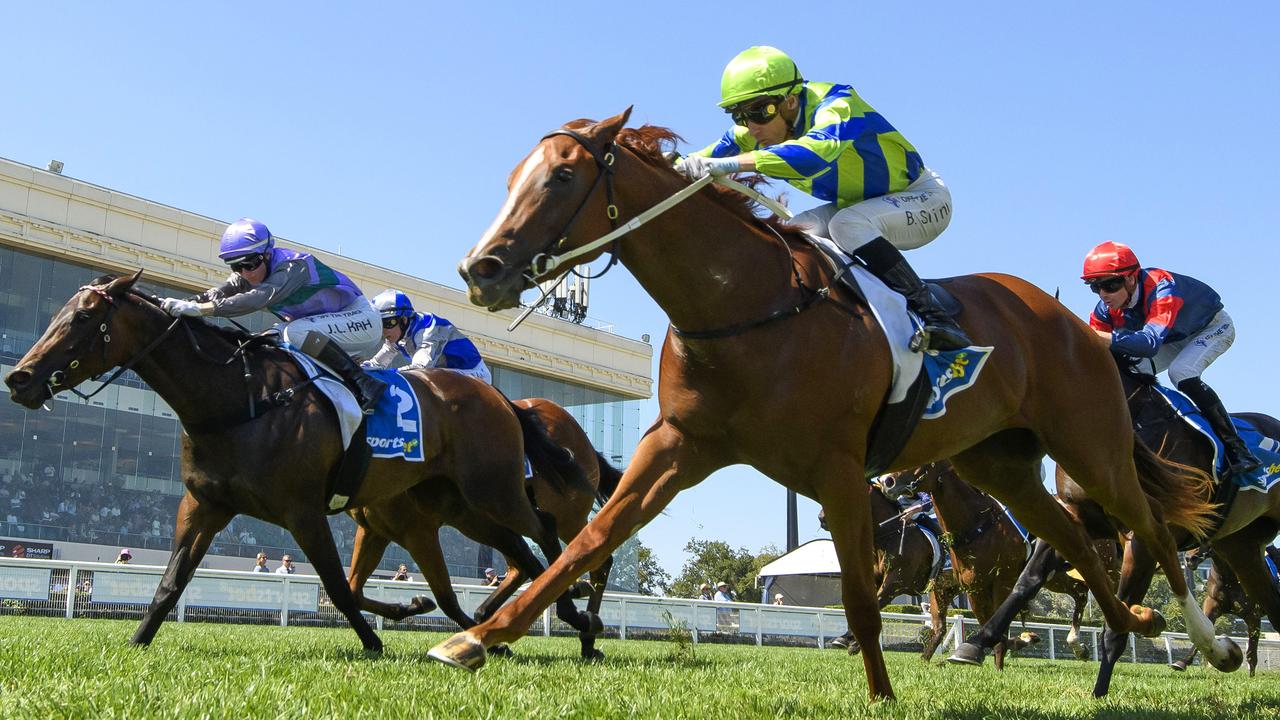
[(231, 335), (650, 142)]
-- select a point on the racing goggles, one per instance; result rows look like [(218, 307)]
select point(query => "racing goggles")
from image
[(758, 111), (1107, 285), (247, 263)]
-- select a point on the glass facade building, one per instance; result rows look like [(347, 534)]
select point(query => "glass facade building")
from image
[(107, 471)]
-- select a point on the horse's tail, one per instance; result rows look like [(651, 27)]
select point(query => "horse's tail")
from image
[(552, 461), (610, 476), (1182, 491)]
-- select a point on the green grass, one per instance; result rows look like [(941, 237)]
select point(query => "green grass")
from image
[(51, 668)]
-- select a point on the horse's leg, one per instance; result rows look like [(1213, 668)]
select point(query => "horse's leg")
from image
[(1080, 598), (663, 465), (501, 592), (1254, 623), (549, 541), (366, 553), (939, 601), (196, 525), (1242, 552), (599, 579), (313, 535), (844, 500), (1135, 578), (1182, 664)]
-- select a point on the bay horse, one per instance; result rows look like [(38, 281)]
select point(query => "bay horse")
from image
[(771, 364), (1245, 524), (1223, 595), (413, 520), (260, 439), (903, 563), (988, 552)]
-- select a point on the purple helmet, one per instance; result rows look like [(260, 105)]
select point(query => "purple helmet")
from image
[(245, 236)]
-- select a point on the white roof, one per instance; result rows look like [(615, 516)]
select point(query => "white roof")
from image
[(816, 557)]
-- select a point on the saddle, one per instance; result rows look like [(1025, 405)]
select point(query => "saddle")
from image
[(895, 421)]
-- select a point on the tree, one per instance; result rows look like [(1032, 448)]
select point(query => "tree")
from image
[(711, 561), (650, 577)]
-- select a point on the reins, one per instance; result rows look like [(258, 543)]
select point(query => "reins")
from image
[(546, 262)]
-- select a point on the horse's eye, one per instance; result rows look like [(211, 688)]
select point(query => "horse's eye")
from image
[(81, 316), (564, 174)]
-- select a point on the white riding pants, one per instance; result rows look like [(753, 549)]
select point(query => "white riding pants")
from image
[(908, 219), (1186, 359), (356, 328)]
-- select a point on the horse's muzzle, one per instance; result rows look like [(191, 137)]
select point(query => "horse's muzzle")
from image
[(491, 283), (25, 390)]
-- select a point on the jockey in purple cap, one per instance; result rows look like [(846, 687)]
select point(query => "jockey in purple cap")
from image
[(325, 315)]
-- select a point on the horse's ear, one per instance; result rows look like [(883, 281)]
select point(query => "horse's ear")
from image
[(608, 128), (120, 286)]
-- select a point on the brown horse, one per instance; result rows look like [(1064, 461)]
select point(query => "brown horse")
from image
[(767, 364), (260, 439), (414, 518), (1223, 595), (1245, 525), (904, 559), (988, 552)]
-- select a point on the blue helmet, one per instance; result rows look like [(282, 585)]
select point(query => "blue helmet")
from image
[(393, 303), (245, 236)]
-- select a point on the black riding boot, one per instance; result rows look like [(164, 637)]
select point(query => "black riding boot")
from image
[(1240, 460), (887, 263), (368, 389)]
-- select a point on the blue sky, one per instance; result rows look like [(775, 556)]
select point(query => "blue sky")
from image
[(1056, 126)]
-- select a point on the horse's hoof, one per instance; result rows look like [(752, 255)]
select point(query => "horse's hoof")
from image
[(1023, 640), (595, 625), (421, 604), (854, 649), (1082, 652), (581, 589), (839, 643), (968, 654), (502, 650), (1178, 666), (462, 650), (1226, 655), (592, 656)]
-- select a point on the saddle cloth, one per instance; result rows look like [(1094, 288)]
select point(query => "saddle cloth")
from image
[(947, 372), (1264, 448), (395, 428)]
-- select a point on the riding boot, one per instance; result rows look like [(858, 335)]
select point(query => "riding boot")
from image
[(887, 263), (368, 389), (1239, 459)]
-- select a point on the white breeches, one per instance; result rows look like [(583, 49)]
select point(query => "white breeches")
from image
[(357, 329), (908, 219)]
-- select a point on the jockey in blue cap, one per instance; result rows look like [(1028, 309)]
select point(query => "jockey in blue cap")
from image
[(423, 340), (325, 315)]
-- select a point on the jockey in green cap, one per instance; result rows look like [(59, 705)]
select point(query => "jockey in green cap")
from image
[(825, 140)]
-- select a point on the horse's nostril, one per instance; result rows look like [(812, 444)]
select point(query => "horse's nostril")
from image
[(17, 379), (484, 268)]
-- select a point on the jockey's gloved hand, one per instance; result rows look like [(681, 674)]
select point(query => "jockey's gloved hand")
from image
[(176, 307), (695, 167)]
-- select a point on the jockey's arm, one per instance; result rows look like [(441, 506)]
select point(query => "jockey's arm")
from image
[(283, 281), (389, 356), (430, 342)]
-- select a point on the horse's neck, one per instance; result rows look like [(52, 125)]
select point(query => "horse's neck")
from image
[(958, 505), (700, 261), (193, 386)]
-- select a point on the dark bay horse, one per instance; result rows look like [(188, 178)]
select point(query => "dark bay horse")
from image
[(1249, 523), (413, 519), (273, 464), (988, 552), (1223, 595), (904, 559), (767, 364)]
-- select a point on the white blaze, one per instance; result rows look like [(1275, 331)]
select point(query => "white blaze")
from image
[(534, 162)]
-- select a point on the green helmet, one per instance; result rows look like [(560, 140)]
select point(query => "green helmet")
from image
[(756, 71)]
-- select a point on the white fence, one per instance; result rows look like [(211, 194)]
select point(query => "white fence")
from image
[(101, 590)]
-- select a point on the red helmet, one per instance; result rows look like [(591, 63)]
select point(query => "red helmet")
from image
[(1110, 258)]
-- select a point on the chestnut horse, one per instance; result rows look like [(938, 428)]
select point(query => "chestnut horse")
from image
[(259, 439), (414, 518), (988, 552), (1247, 524), (1223, 595), (767, 364)]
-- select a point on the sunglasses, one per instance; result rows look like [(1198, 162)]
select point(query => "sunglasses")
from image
[(758, 112), (1107, 285), (388, 323), (248, 263)]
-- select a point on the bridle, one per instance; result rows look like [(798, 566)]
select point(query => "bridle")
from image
[(56, 377), (545, 261)]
